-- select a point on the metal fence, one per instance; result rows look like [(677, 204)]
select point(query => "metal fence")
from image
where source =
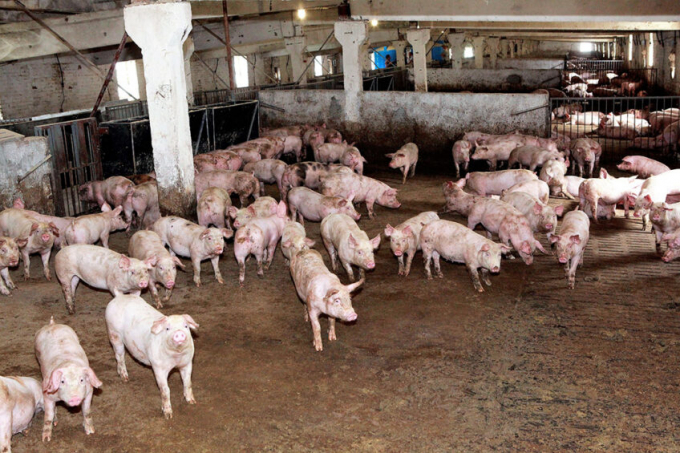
[(593, 65), (133, 109), (622, 125)]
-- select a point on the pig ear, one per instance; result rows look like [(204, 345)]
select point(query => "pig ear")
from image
[(388, 230), (124, 262), (54, 229), (19, 204), (310, 242), (158, 325), (34, 226), (118, 210), (390, 155), (151, 261), (559, 210), (233, 210), (177, 262), (603, 173), (190, 321), (505, 248), (251, 210), (205, 233), (486, 247), (227, 233), (554, 238), (106, 207), (352, 242), (94, 380), (407, 230), (352, 194), (537, 208), (354, 286), (526, 247), (21, 242), (375, 242), (648, 198), (330, 293), (51, 384), (575, 239), (281, 209), (342, 203)]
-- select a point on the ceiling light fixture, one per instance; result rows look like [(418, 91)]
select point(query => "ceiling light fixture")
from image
[(301, 13)]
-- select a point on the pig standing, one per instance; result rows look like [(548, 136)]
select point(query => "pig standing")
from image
[(585, 153), (642, 166), (553, 173), (21, 398), (655, 190), (100, 268), (293, 145), (66, 373), (306, 174), (307, 204), (61, 222), (322, 293), (267, 171), (111, 191), (461, 155), (194, 241), (406, 158), (606, 190), (262, 207), (541, 217), (405, 238), (532, 157), (161, 342), (240, 182), (603, 211), (571, 243), (294, 239), (259, 237), (454, 242), (39, 235), (342, 183), (345, 240), (457, 200), (498, 148), (88, 229), (673, 250), (213, 208), (665, 219), (147, 245), (494, 183), (9, 257), (537, 188), (143, 201)]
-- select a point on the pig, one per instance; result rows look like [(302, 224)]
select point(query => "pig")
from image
[(267, 171), (330, 152), (66, 373), (659, 120), (194, 241), (455, 242), (331, 135), (143, 201), (571, 243), (642, 166), (541, 216), (218, 160), (494, 183), (147, 245), (21, 398), (457, 200), (353, 159), (405, 238), (586, 118), (498, 148), (292, 144), (343, 239), (240, 182), (665, 219), (161, 342), (259, 237), (655, 190), (213, 208), (304, 204), (532, 156), (322, 293), (141, 179), (39, 237), (262, 207), (247, 154), (100, 268), (88, 229), (342, 183), (547, 144), (585, 153), (306, 174), (475, 137), (61, 222), (269, 147), (673, 250), (405, 159), (9, 257), (604, 211), (536, 188), (294, 240), (553, 173), (111, 191), (461, 155), (510, 225), (607, 190), (313, 139), (619, 132)]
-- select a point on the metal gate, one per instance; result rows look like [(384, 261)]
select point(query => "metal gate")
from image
[(76, 160)]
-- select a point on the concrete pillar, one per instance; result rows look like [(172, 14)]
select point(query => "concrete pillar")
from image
[(493, 50), (141, 81), (419, 39), (296, 48), (457, 43), (260, 70), (188, 49), (505, 48), (428, 55), (513, 43), (352, 35), (251, 70), (160, 29), (478, 45), (399, 47), (366, 57)]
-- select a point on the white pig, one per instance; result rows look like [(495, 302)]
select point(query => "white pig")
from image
[(39, 235), (345, 240), (655, 190), (606, 190), (665, 219), (262, 207), (267, 171), (553, 173), (294, 239), (571, 243), (536, 188), (406, 158), (405, 238), (308, 204), (89, 229), (213, 208), (342, 183), (494, 183), (9, 257), (461, 155), (541, 217), (21, 398)]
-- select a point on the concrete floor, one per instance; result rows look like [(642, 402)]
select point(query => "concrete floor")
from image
[(429, 366)]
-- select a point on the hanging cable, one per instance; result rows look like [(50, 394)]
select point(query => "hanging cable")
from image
[(61, 75)]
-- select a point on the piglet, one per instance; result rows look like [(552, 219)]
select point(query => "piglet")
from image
[(21, 398), (405, 238), (9, 257), (66, 373), (294, 239), (267, 171), (406, 158), (100, 268), (454, 242), (88, 229), (190, 240), (541, 217), (343, 239), (586, 153), (61, 222), (111, 191), (308, 204), (213, 208), (147, 245), (262, 207), (642, 166), (655, 190), (461, 155), (161, 342), (571, 243), (457, 200), (322, 293), (39, 237)]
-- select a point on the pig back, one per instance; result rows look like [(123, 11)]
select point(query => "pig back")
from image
[(57, 344)]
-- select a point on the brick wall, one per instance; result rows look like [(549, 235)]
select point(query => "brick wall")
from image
[(204, 79)]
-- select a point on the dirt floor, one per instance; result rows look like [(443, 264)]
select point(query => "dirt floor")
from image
[(430, 366)]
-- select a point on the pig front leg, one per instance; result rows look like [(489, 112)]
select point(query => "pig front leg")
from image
[(27, 263), (261, 188), (409, 260), (168, 293), (87, 418), (154, 293), (626, 207), (316, 327), (457, 169), (241, 270), (215, 261), (331, 329), (474, 275), (6, 432), (401, 264), (162, 382), (348, 269), (404, 172), (369, 208), (196, 263), (185, 373), (486, 276), (658, 234), (571, 272), (5, 276), (50, 407), (105, 239), (45, 257)]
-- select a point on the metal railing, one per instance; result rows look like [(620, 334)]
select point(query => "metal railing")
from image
[(593, 65), (622, 125)]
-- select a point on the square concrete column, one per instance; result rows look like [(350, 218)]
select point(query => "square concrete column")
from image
[(419, 39), (400, 47), (493, 50), (352, 35), (512, 48), (260, 70), (478, 45), (457, 43), (505, 48), (251, 70), (160, 29), (296, 48), (188, 49)]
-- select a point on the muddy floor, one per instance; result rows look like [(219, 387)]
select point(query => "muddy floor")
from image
[(429, 366)]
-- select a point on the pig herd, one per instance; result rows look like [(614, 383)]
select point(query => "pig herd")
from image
[(512, 203)]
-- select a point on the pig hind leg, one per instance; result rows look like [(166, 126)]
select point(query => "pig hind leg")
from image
[(413, 169), (45, 257), (333, 254), (437, 264), (271, 250), (185, 373), (119, 351), (27, 263), (6, 430), (7, 281), (68, 286)]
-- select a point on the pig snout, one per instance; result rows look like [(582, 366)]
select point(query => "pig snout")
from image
[(548, 226), (351, 317), (563, 259), (398, 253), (170, 284), (13, 262), (143, 284), (179, 337), (495, 270), (371, 264), (45, 237), (218, 250), (75, 401)]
